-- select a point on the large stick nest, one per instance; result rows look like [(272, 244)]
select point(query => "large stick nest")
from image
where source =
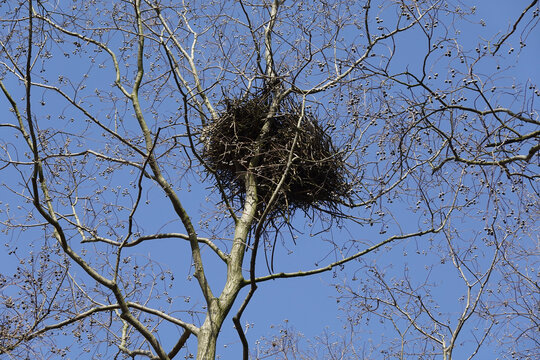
[(316, 177)]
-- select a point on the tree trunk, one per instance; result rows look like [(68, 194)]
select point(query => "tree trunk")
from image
[(217, 312), (207, 340)]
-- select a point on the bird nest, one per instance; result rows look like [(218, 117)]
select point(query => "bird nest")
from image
[(235, 141)]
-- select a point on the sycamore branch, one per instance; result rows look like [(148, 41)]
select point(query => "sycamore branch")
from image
[(347, 259), (140, 239)]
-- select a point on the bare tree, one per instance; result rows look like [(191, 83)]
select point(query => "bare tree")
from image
[(305, 119), (472, 289)]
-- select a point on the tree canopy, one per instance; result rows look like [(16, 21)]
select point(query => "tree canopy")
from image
[(162, 160)]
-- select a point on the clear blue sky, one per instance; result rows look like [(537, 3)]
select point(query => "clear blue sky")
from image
[(308, 304)]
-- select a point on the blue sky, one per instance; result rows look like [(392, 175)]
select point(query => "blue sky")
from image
[(308, 304)]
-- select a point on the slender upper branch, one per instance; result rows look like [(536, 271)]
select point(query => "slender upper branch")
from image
[(164, 184)]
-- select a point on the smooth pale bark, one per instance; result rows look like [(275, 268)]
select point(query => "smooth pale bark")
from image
[(218, 308)]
